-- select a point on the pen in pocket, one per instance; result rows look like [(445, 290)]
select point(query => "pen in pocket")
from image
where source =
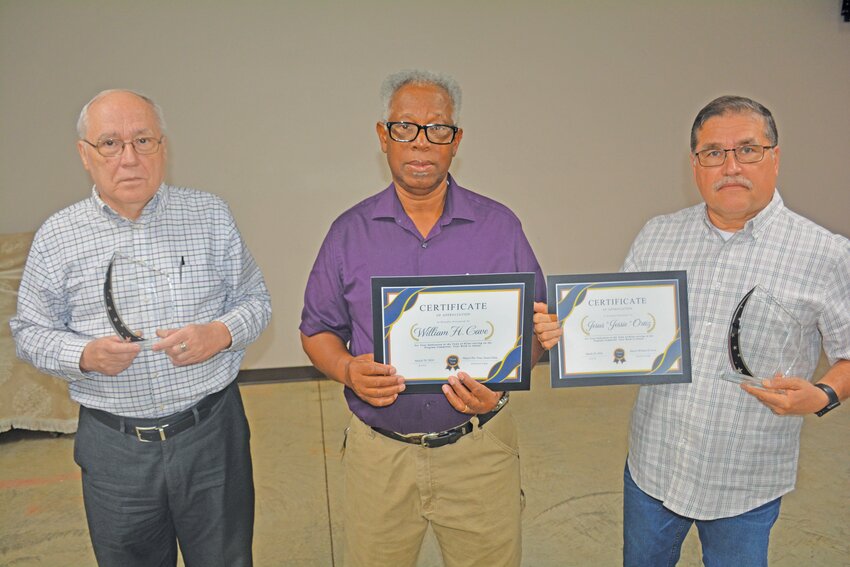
[(182, 263)]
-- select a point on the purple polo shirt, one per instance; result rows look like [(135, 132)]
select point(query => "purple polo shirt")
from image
[(474, 235)]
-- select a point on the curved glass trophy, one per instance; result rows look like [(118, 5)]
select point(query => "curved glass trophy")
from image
[(139, 299), (765, 339)]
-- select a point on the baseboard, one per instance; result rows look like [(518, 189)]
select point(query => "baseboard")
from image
[(285, 374)]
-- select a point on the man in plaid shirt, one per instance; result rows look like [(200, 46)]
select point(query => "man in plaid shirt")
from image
[(163, 442), (712, 452)]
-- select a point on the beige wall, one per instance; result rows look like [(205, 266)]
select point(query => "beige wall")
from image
[(576, 114)]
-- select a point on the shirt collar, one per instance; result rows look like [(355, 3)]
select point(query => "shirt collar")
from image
[(458, 204), (152, 209), (759, 223)]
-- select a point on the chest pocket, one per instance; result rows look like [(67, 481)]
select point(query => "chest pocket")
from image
[(200, 287)]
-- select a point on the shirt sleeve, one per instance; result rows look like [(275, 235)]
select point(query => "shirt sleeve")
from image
[(40, 326), (834, 323), (248, 306), (325, 309), (633, 261)]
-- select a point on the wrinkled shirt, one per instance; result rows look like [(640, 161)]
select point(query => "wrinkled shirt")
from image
[(708, 449), (474, 235), (188, 236)]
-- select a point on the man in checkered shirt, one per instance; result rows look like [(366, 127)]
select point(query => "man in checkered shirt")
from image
[(163, 442), (712, 452)]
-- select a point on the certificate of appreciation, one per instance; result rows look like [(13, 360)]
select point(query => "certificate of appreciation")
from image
[(623, 328), (432, 327)]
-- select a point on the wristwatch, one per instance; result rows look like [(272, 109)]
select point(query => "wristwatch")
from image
[(834, 402), (503, 401)]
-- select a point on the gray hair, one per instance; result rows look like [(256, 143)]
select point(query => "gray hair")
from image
[(83, 120), (420, 77), (734, 105)]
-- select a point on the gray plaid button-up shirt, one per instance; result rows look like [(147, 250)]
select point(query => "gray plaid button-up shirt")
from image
[(708, 449), (188, 235)]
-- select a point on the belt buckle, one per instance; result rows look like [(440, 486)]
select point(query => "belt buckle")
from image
[(447, 438), (160, 428)]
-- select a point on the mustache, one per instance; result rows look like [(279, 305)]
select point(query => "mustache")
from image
[(733, 180)]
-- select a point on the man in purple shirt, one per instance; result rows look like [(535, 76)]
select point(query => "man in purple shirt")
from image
[(466, 483)]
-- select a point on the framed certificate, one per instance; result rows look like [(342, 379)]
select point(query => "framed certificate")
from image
[(623, 328), (432, 327)]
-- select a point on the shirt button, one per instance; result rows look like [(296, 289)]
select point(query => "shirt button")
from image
[(424, 245), (155, 375)]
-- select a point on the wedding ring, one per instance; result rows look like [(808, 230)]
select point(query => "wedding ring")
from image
[(183, 347)]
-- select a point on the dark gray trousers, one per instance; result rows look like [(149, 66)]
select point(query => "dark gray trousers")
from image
[(196, 488)]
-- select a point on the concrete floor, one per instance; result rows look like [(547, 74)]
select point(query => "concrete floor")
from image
[(573, 449)]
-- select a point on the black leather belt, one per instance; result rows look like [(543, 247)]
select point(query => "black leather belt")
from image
[(441, 438), (162, 428)]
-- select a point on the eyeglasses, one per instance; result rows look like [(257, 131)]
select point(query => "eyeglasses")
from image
[(111, 147), (408, 131), (749, 153)]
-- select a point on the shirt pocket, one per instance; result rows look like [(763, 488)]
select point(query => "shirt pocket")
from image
[(201, 288)]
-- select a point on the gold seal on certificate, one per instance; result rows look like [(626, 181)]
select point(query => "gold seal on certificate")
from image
[(432, 327), (620, 328)]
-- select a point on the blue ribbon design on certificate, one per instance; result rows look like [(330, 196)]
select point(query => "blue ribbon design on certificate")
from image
[(505, 367), (573, 299), (405, 300), (665, 361)]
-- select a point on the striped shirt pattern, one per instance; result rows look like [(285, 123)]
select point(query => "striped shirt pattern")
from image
[(188, 235), (708, 449)]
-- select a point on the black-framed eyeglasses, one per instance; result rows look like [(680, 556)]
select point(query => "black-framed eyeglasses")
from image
[(111, 147), (748, 153), (435, 133)]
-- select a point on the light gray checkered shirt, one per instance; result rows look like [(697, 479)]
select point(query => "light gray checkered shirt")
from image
[(707, 449), (190, 236)]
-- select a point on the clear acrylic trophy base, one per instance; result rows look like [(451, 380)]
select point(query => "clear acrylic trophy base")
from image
[(738, 378)]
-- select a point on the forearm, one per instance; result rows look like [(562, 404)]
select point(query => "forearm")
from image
[(329, 355), (537, 350)]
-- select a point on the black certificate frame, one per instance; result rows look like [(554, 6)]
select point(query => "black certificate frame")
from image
[(663, 371), (523, 281)]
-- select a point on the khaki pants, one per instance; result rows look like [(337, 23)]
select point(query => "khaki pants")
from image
[(468, 491)]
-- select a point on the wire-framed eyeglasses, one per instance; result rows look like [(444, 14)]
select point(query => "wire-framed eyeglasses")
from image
[(111, 147), (748, 153)]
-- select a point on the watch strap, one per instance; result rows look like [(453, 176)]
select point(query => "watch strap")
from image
[(833, 403)]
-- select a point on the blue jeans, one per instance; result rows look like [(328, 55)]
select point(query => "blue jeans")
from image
[(653, 535)]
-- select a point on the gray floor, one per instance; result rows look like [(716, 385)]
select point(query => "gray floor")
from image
[(573, 449)]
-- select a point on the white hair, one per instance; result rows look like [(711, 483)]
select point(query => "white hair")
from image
[(399, 79), (83, 120)]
